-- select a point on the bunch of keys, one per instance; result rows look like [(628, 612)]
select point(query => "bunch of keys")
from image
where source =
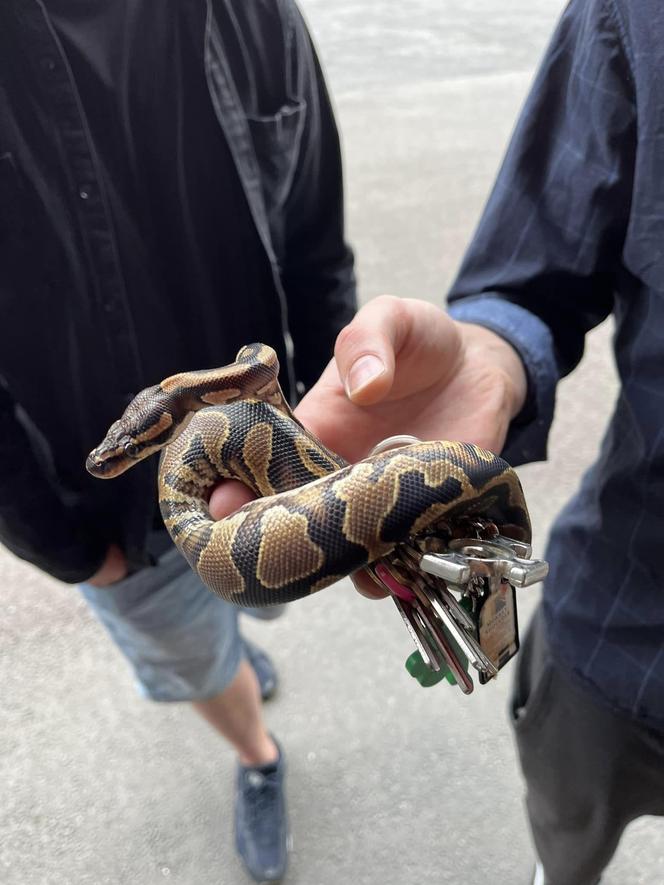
[(459, 604)]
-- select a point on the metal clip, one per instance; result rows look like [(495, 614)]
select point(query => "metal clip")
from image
[(500, 557)]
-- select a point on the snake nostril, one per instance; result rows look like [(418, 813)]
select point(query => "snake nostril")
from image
[(94, 464)]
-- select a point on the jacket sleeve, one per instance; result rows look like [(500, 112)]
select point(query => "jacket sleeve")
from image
[(317, 271), (550, 240), (35, 523)]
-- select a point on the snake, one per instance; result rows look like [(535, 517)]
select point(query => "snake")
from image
[(316, 517)]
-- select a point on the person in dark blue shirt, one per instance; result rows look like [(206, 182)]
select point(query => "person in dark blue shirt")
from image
[(573, 231)]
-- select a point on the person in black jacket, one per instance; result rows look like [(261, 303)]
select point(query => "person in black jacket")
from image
[(170, 190)]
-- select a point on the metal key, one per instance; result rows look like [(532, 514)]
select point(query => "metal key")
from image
[(481, 626), (432, 594), (484, 571), (496, 567), (439, 654)]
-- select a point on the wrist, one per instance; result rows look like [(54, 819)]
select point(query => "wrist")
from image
[(505, 361)]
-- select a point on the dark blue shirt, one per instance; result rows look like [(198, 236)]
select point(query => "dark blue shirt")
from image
[(574, 231)]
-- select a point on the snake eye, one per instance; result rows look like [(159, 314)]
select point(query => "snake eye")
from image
[(131, 450)]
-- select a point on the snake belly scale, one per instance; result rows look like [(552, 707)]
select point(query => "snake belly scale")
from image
[(317, 518)]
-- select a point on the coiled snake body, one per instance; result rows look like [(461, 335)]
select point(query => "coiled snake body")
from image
[(317, 518)]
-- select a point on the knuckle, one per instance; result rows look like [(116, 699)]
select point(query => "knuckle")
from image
[(349, 341)]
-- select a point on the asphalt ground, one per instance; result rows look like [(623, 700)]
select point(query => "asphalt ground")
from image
[(389, 784)]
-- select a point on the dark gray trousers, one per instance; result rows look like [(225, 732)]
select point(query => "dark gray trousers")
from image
[(588, 771)]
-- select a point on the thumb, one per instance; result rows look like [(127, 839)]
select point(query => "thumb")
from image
[(228, 497), (365, 350)]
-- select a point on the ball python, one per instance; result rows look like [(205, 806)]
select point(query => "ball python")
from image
[(317, 518)]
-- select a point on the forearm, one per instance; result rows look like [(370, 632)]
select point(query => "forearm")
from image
[(546, 257)]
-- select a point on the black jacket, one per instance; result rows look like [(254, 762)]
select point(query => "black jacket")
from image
[(70, 350)]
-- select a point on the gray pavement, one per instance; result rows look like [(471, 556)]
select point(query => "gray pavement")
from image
[(389, 784)]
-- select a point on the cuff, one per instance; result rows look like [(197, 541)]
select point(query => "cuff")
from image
[(532, 339)]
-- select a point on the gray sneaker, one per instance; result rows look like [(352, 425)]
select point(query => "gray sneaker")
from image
[(540, 879), (538, 875), (261, 825)]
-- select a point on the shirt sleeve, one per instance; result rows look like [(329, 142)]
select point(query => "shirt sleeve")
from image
[(36, 524), (318, 269), (545, 260)]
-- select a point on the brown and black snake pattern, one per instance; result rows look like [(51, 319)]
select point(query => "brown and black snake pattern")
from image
[(317, 518)]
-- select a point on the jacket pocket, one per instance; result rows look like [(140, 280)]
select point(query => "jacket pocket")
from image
[(276, 139)]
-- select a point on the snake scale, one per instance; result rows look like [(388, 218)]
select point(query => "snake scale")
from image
[(317, 518)]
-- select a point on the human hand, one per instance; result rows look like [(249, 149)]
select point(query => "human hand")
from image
[(403, 366), (112, 569)]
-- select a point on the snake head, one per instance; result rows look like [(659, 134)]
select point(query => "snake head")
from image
[(145, 427)]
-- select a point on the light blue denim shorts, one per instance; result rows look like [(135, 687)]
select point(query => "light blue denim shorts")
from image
[(182, 641)]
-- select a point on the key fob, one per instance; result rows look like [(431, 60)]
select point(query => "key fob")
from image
[(496, 623)]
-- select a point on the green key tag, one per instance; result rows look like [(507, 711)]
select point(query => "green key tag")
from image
[(425, 675)]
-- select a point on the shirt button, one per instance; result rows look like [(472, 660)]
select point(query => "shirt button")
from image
[(84, 192), (48, 64)]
